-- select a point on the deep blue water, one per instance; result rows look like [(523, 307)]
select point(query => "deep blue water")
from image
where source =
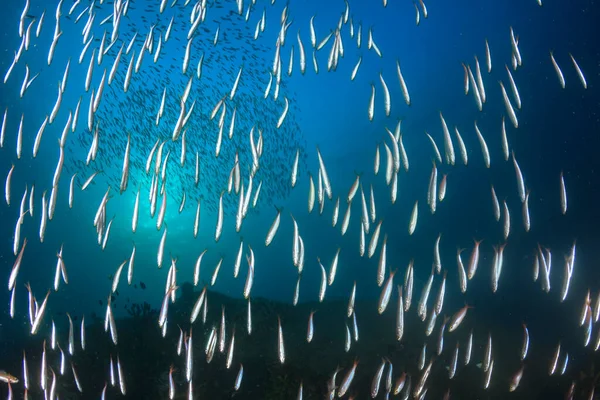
[(558, 131)]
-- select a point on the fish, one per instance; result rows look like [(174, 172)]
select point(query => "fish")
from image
[(579, 72), (7, 185), (310, 330), (323, 286), (377, 161), (280, 344), (448, 146), (525, 213), (476, 93), (520, 180), (438, 156), (495, 204), (515, 47), (516, 379), (284, 113), (488, 375), (355, 69), (412, 225), (386, 293), (377, 379), (311, 193), (457, 318), (484, 148), (525, 346), (219, 226), (437, 262), (325, 176), (347, 380), (466, 79), (422, 306), (386, 95), (563, 194), (509, 108), (514, 88), (333, 268), (432, 196), (8, 378), (371, 109), (506, 215), (161, 247), (559, 74), (461, 145), (374, 239), (238, 379), (479, 80), (39, 314)]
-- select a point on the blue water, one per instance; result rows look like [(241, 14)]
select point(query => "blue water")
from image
[(558, 131)]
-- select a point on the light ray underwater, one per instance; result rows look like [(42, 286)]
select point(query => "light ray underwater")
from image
[(301, 199)]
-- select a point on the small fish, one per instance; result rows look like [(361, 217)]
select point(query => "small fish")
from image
[(448, 146), (386, 293), (408, 286), (506, 215), (437, 262), (515, 47), (439, 302), (280, 345), (514, 88), (347, 380), (488, 375), (438, 155), (461, 145), (400, 316), (374, 239), (412, 225), (8, 378), (294, 177), (563, 194), (284, 113), (310, 330), (274, 227), (386, 96), (401, 77), (579, 72), (453, 363), (377, 379), (525, 213), (323, 286), (238, 379), (484, 147), (509, 108), (525, 346), (487, 356), (476, 94), (480, 86), (432, 195), (422, 306), (561, 77), (371, 109), (466, 79), (377, 161), (516, 379), (333, 268), (458, 318), (355, 69), (219, 226)]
